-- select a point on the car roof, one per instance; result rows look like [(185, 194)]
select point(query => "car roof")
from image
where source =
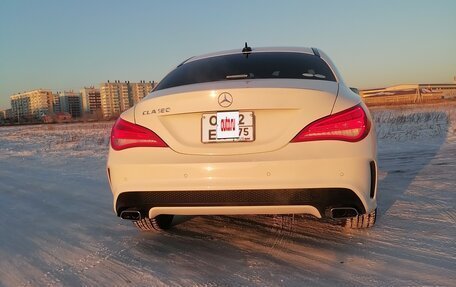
[(254, 50)]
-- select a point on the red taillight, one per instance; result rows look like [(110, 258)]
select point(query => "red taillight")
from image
[(126, 135), (350, 125)]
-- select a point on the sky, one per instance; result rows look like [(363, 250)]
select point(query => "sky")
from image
[(66, 45)]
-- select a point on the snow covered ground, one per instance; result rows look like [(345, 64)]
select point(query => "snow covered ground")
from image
[(57, 227)]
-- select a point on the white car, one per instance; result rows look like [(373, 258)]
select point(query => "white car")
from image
[(247, 131)]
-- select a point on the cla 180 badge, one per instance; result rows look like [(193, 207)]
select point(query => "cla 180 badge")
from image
[(156, 111)]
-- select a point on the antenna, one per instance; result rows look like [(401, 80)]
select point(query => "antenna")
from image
[(246, 49)]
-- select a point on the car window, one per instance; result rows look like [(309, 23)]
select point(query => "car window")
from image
[(260, 65)]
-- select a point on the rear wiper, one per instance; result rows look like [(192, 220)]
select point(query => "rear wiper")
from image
[(240, 76)]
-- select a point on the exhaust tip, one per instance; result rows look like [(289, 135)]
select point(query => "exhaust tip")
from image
[(343, 212), (133, 215)]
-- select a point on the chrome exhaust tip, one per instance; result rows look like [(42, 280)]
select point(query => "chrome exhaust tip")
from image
[(133, 215), (343, 212)]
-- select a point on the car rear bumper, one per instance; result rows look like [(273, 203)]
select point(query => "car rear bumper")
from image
[(299, 178)]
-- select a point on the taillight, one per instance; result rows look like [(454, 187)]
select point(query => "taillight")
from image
[(126, 135), (350, 125)]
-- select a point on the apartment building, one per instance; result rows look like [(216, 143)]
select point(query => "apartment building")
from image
[(70, 102), (5, 115), (8, 113), (91, 100), (118, 96), (34, 103), (56, 101), (114, 98), (140, 90)]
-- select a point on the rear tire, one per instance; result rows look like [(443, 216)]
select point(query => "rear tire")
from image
[(362, 221), (158, 223)]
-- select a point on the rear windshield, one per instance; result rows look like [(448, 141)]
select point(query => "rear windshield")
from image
[(261, 65)]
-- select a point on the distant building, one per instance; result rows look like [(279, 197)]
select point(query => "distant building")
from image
[(118, 96), (56, 118), (140, 90), (70, 102), (62, 117), (47, 119), (30, 104), (114, 98), (91, 100), (56, 100), (409, 93), (8, 113)]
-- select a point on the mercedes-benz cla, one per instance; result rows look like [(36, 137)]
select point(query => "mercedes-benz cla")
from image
[(248, 131)]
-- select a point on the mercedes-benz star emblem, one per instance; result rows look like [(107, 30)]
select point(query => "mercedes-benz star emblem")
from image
[(225, 100)]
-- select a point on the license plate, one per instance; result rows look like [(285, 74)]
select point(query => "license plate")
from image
[(232, 126)]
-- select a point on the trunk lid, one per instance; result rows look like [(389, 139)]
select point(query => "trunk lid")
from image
[(281, 108)]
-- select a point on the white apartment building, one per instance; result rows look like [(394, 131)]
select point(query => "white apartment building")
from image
[(91, 99), (140, 90), (34, 103), (118, 96)]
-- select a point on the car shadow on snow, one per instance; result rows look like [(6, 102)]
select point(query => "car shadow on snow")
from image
[(407, 143)]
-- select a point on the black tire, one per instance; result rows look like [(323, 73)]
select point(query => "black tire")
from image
[(158, 223), (362, 221)]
